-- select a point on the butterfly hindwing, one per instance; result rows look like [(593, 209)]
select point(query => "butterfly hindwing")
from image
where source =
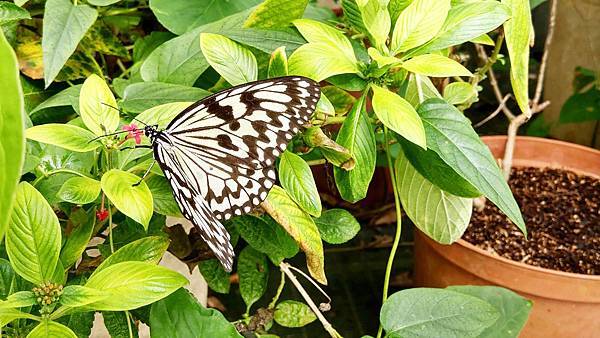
[(219, 154)]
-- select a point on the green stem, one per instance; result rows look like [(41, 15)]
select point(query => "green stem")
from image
[(279, 289), (129, 319), (480, 73), (57, 171), (110, 226), (388, 270)]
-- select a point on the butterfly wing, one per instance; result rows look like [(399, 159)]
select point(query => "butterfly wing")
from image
[(232, 139), (219, 153)]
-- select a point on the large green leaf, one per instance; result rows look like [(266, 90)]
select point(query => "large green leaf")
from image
[(418, 23), (356, 135), (7, 274), (441, 215), (297, 179), (65, 136), (269, 14), (64, 26), (267, 237), (398, 115), (33, 237), (10, 12), (142, 96), (79, 237), (235, 63), (77, 295), (514, 309), (18, 299), (180, 315), (12, 146), (459, 92), (148, 249), (465, 22), (518, 34), (179, 16), (97, 106), (215, 275), (424, 312), (48, 328), (66, 97), (450, 135), (581, 107), (130, 285), (435, 65), (162, 114), (376, 19), (291, 313), (301, 227), (337, 226), (133, 201), (253, 270), (162, 196), (79, 190)]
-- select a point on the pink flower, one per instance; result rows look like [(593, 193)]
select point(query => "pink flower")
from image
[(102, 214), (134, 132)]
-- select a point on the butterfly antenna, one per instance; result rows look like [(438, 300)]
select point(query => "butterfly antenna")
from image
[(106, 135), (140, 121)]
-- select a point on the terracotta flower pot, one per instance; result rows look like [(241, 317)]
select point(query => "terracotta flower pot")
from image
[(565, 304)]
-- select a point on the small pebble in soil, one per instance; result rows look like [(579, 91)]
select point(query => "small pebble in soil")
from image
[(562, 213)]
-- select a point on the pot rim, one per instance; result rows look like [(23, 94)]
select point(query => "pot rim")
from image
[(482, 252)]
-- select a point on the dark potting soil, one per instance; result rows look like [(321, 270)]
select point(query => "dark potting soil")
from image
[(562, 214)]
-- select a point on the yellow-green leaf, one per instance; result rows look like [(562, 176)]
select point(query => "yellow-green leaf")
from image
[(269, 14), (518, 34), (278, 64), (66, 136), (436, 66), (79, 190), (234, 63), (459, 92), (376, 19), (301, 227), (94, 101), (418, 23), (52, 329), (162, 114), (133, 201), (319, 61)]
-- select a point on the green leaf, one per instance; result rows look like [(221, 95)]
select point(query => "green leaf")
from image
[(396, 7), (10, 12), (117, 325), (77, 295), (439, 214), (376, 19), (301, 227), (179, 16), (145, 95), (483, 39), (425, 312), (103, 2), (328, 52), (33, 237), (333, 152), (65, 136), (337, 226), (78, 239), (133, 201), (64, 27), (278, 64), (79, 190), (518, 33), (418, 23), (297, 179), (180, 315), (235, 63), (80, 322), (66, 97), (269, 13), (253, 270), (94, 101), (162, 197), (148, 249), (398, 115), (162, 114), (130, 285), (459, 92), (18, 299), (101, 39), (267, 237), (356, 135), (450, 135), (48, 328), (215, 275), (7, 274), (581, 107), (513, 309), (428, 90), (8, 315), (354, 15), (291, 313), (341, 100), (465, 22), (436, 66), (382, 60), (12, 147)]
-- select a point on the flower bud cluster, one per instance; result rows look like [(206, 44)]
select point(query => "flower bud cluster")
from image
[(47, 293)]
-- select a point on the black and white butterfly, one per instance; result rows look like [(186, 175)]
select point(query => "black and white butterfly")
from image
[(219, 153)]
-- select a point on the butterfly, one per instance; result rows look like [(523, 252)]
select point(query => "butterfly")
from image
[(219, 153)]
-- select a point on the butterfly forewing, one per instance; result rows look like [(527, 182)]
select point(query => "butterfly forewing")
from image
[(221, 150)]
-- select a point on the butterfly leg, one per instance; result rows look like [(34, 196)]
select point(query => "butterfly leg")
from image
[(145, 174)]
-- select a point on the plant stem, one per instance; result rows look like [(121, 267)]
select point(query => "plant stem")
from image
[(279, 290), (489, 61), (57, 171), (110, 226), (129, 319), (390, 263), (285, 268)]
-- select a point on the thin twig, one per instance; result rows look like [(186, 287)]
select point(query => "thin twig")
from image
[(285, 267), (542, 71), (496, 112), (494, 83)]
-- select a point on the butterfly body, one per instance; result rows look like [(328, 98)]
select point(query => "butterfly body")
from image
[(219, 153)]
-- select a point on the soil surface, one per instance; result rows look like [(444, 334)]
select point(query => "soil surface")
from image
[(562, 214)]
